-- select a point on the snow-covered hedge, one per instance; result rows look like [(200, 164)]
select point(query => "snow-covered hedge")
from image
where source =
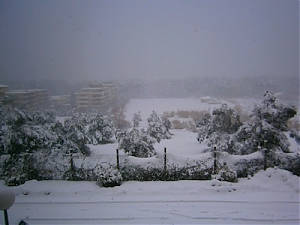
[(172, 173)]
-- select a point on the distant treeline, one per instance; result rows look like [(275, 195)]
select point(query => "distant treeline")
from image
[(225, 87)]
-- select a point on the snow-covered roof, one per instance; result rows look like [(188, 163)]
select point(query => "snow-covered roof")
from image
[(25, 91)]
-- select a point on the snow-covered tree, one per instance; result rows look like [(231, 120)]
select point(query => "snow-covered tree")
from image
[(26, 142), (167, 123), (100, 130), (136, 119), (156, 127), (218, 128), (204, 127), (267, 127), (272, 111), (226, 119), (136, 143), (43, 118), (74, 134), (119, 118), (20, 134)]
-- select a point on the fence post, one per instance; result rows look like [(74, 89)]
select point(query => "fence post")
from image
[(165, 159), (215, 159), (118, 162)]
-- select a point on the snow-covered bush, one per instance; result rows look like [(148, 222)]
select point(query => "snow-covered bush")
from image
[(136, 143), (139, 173), (227, 174), (13, 171), (18, 169), (177, 124), (109, 177), (289, 162)]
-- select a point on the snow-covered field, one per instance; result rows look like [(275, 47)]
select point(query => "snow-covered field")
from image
[(270, 197)]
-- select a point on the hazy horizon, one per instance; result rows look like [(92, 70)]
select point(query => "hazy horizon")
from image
[(102, 40)]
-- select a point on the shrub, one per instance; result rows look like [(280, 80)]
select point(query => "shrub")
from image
[(227, 174), (169, 114), (285, 161), (176, 124), (79, 174), (183, 113), (109, 177), (18, 169)]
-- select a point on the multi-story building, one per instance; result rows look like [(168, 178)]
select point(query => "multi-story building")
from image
[(31, 99), (97, 96)]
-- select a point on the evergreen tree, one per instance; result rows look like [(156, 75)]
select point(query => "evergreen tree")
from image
[(218, 128), (136, 143), (167, 123), (21, 134), (26, 141), (43, 118), (100, 130), (267, 127), (273, 112), (136, 119), (156, 127), (74, 131)]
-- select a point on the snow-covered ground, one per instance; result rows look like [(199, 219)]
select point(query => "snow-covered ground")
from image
[(270, 197)]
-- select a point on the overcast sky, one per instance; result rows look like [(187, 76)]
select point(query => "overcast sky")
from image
[(136, 39)]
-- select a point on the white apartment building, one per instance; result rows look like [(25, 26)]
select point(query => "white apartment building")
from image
[(97, 96), (31, 99)]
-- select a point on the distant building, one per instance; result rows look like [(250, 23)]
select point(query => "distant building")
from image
[(97, 96), (206, 99), (60, 101), (31, 99), (209, 100), (3, 89)]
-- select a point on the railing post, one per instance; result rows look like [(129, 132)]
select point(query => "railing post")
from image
[(118, 162), (266, 155), (215, 159), (165, 159), (6, 217)]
